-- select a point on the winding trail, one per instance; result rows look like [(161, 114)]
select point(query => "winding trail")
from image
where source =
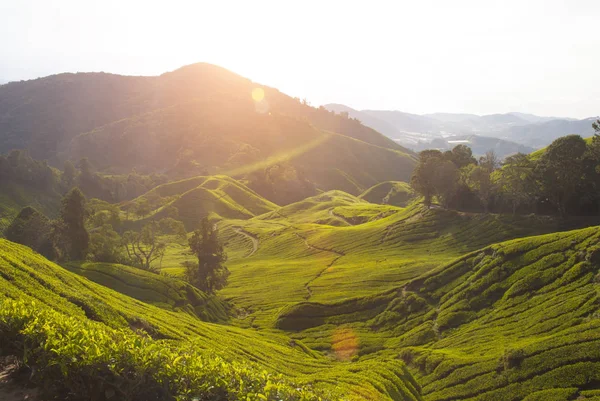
[(320, 273), (252, 237)]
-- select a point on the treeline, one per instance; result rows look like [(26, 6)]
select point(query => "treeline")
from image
[(93, 230), (20, 168), (563, 179)]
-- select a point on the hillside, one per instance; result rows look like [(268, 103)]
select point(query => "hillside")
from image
[(277, 260), (396, 193), (158, 290), (198, 197), (512, 321), (79, 305), (198, 118)]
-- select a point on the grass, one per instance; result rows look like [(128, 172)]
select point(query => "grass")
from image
[(159, 290), (195, 198), (396, 193), (28, 277), (515, 320), (342, 293)]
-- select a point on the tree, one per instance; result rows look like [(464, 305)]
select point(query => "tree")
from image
[(69, 174), (560, 170), (461, 156), (489, 161), (142, 209), (515, 180), (144, 247), (105, 245), (424, 176), (209, 274), (479, 180), (72, 217), (445, 181), (31, 228)]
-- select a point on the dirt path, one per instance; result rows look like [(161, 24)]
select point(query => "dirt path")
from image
[(252, 237), (320, 273), (10, 391)]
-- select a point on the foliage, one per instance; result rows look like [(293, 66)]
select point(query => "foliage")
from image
[(31, 228), (106, 245), (144, 247), (209, 274), (436, 176), (72, 218), (560, 170), (74, 356)]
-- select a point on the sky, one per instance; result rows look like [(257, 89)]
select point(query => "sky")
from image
[(466, 56)]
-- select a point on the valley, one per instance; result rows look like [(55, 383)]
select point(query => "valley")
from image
[(180, 238)]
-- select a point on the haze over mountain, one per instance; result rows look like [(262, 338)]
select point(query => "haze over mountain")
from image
[(199, 119), (513, 132)]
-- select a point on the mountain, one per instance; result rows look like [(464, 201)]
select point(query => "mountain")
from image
[(200, 119), (478, 144), (522, 132)]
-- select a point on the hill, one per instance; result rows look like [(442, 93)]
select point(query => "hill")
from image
[(280, 260), (512, 321), (198, 119), (158, 290), (396, 193), (509, 130), (71, 309), (198, 197)]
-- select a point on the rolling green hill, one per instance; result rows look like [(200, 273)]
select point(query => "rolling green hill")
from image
[(158, 290), (80, 306), (194, 198), (394, 193), (516, 320), (280, 260)]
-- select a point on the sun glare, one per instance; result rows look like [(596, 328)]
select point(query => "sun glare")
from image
[(258, 94)]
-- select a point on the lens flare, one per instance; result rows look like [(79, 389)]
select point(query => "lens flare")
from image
[(344, 343), (258, 94)]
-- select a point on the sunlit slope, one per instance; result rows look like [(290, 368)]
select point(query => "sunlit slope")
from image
[(293, 259), (512, 321), (396, 193), (233, 139), (27, 276), (522, 314), (197, 118), (198, 197), (159, 290)]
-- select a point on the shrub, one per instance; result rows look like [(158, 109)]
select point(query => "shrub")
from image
[(75, 356)]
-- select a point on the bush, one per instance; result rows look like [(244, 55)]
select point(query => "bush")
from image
[(75, 356)]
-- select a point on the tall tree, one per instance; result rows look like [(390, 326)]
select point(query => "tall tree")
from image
[(209, 274), (560, 170), (423, 179), (479, 181), (461, 155), (489, 161), (515, 180), (72, 216), (445, 181), (69, 174)]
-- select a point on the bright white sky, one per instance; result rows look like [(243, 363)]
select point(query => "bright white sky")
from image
[(420, 56)]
